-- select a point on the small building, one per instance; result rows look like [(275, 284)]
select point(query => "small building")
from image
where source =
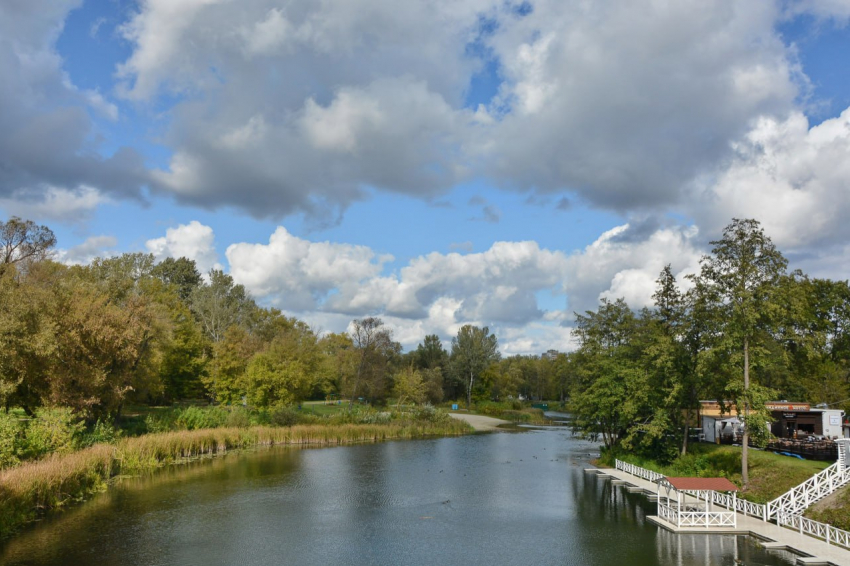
[(801, 421), (790, 420), (687, 502)]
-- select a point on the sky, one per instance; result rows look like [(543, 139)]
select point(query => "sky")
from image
[(432, 162)]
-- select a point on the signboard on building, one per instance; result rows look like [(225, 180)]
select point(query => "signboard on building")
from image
[(834, 420), (784, 406)]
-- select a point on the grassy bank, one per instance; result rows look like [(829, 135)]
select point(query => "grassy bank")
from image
[(834, 510), (32, 489), (770, 474), (511, 411)]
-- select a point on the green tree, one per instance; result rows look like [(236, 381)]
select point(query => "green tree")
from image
[(611, 395), (374, 345), (180, 272), (409, 386), (473, 350), (741, 277), (220, 304)]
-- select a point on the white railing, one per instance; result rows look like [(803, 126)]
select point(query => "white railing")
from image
[(797, 499), (696, 518), (740, 505), (648, 475), (811, 528)]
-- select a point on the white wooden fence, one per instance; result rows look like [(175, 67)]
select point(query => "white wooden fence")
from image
[(798, 499), (815, 529), (648, 475), (827, 533)]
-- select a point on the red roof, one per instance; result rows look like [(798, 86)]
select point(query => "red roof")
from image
[(701, 484)]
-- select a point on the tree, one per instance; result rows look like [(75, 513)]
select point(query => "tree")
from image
[(409, 386), (221, 304), (286, 371), (611, 395), (473, 350), (741, 277), (23, 241), (180, 272), (373, 343)]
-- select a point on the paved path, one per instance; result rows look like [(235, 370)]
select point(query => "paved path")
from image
[(814, 551), (480, 422)]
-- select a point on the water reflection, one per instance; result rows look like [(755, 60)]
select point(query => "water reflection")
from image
[(486, 499)]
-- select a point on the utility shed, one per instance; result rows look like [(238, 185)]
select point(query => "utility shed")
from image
[(687, 502)]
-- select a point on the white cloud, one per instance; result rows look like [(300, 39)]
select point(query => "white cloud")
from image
[(54, 203), (194, 241), (790, 177), (83, 254), (297, 274), (618, 265)]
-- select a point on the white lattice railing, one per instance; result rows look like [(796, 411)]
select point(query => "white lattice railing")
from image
[(811, 528), (797, 499), (696, 518), (648, 475), (740, 505)]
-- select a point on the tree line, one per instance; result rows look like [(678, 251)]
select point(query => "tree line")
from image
[(744, 332), (130, 330)]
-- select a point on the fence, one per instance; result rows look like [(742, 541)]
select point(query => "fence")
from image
[(648, 475), (815, 529)]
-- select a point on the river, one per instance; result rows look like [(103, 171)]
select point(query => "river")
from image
[(489, 499)]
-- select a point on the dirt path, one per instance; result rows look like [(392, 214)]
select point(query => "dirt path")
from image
[(480, 422)]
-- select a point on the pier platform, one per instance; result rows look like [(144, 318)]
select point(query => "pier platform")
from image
[(809, 549)]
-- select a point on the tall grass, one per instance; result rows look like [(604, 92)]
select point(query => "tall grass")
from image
[(30, 490)]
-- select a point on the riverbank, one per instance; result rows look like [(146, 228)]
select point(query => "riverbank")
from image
[(771, 474), (811, 550), (480, 423), (29, 491)]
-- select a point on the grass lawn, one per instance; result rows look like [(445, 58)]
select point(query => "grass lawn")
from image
[(770, 474)]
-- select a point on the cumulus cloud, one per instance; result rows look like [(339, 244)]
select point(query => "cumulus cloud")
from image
[(48, 141), (54, 203), (299, 275), (790, 177), (622, 103), (622, 265), (83, 254), (193, 241)]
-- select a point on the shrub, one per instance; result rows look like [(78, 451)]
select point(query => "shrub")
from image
[(10, 437), (284, 416), (194, 418), (238, 417), (54, 429), (102, 432)]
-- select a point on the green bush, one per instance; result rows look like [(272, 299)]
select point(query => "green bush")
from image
[(54, 429), (101, 433), (238, 417), (10, 438), (284, 416), (195, 418)]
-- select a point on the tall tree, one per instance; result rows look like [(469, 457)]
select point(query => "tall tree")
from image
[(23, 241), (180, 272), (741, 277), (373, 343), (220, 304), (473, 350)]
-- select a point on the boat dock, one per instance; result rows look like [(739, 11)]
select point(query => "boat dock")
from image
[(772, 536)]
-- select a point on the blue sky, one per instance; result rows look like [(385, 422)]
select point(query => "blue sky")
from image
[(433, 163)]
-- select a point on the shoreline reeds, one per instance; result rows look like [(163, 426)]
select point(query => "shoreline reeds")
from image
[(31, 490)]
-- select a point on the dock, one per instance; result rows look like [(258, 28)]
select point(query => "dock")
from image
[(809, 549)]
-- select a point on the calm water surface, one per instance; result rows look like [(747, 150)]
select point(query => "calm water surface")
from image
[(504, 498)]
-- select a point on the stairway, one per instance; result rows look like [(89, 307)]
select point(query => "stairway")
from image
[(798, 499)]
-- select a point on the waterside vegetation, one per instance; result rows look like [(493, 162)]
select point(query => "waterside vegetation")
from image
[(34, 488)]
